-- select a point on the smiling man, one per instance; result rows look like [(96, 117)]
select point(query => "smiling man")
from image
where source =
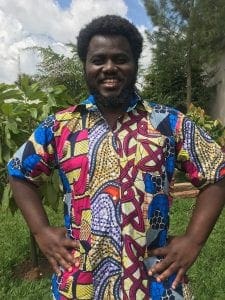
[(116, 155)]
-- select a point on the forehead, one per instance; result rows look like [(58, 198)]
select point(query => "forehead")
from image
[(100, 44)]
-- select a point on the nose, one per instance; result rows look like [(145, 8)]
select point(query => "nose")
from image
[(109, 66)]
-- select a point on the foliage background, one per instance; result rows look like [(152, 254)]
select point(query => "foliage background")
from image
[(22, 106), (189, 39)]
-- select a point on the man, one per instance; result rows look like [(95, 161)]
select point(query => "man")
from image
[(116, 156)]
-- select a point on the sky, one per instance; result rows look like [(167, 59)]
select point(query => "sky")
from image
[(28, 23)]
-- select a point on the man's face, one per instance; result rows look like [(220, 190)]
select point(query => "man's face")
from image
[(110, 69)]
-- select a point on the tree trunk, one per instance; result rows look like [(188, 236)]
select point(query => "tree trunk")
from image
[(33, 249), (189, 57), (189, 85)]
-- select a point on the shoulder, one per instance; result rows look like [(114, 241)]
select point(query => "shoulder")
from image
[(69, 113), (164, 118), (54, 124), (156, 108)]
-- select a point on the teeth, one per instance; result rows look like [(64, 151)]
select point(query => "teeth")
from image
[(110, 80)]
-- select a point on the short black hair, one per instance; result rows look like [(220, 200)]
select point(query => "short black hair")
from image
[(109, 25)]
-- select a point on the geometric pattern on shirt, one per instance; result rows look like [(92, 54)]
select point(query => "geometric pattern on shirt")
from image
[(72, 148), (137, 157), (149, 127), (105, 253)]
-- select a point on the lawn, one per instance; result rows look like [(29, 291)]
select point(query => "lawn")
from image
[(207, 275)]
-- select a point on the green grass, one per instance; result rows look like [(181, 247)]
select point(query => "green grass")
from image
[(207, 275), (14, 250)]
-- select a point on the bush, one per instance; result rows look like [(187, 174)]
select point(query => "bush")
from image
[(21, 108), (214, 127)]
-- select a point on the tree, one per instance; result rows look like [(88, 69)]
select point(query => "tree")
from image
[(31, 99), (22, 106), (182, 43), (165, 78), (57, 69), (21, 109)]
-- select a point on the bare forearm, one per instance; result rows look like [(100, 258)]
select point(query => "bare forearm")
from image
[(208, 207), (51, 240), (29, 202)]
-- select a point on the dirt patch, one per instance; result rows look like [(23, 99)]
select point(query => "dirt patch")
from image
[(25, 270), (184, 190)]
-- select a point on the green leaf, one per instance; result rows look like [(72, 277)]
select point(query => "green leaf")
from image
[(34, 113), (6, 154), (51, 100), (51, 196), (59, 89), (35, 87), (45, 111), (5, 197), (11, 94), (1, 159), (12, 125), (7, 108), (4, 86)]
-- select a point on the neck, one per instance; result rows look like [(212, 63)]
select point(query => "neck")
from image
[(111, 115), (114, 107)]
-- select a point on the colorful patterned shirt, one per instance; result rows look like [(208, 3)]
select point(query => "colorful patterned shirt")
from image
[(116, 185)]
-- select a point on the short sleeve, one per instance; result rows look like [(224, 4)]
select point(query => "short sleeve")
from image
[(198, 154), (35, 159)]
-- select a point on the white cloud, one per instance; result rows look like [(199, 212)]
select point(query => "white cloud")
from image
[(27, 23), (141, 3), (146, 56), (85, 10)]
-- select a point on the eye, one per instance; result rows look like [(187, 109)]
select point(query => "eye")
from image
[(97, 60), (121, 59)]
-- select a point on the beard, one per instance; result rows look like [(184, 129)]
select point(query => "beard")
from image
[(114, 103)]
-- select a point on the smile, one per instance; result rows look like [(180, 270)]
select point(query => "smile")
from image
[(110, 83)]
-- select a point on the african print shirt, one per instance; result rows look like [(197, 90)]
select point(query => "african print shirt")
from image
[(117, 191)]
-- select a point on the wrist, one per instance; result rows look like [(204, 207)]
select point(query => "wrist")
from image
[(40, 229), (195, 239)]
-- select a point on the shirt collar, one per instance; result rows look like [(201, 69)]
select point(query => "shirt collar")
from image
[(91, 103)]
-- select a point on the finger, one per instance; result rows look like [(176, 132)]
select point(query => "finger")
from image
[(66, 255), (62, 231), (160, 266), (62, 262), (171, 269), (69, 243), (54, 265), (179, 278), (158, 251)]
